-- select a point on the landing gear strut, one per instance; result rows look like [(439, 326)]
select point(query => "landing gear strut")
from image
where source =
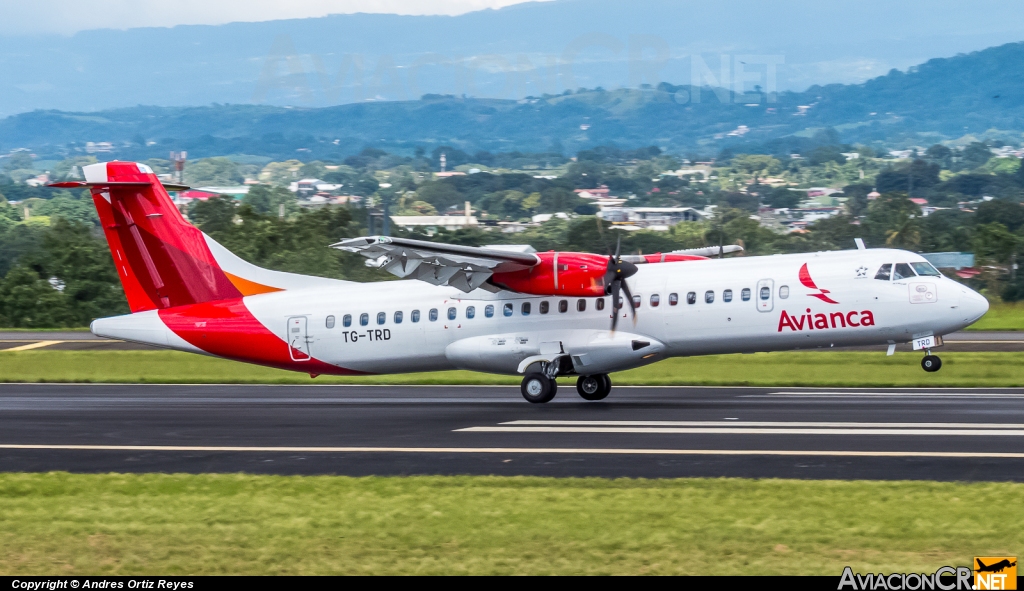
[(537, 388), (595, 387), (931, 362)]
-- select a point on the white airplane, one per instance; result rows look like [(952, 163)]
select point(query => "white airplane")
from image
[(504, 310)]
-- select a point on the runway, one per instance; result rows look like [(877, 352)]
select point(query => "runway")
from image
[(84, 341), (650, 432)]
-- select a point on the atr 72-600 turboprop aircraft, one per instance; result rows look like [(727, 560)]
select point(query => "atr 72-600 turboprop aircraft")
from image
[(500, 309)]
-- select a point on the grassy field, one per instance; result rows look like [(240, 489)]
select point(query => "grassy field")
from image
[(60, 523), (1001, 317), (810, 368)]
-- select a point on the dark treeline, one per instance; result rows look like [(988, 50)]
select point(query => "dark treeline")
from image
[(56, 270)]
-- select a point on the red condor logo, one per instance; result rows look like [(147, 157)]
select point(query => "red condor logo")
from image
[(812, 321), (805, 278)]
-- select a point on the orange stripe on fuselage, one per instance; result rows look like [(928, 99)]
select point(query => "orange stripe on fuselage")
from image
[(247, 287)]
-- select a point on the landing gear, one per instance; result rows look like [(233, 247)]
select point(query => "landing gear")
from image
[(538, 388), (595, 387), (931, 363)]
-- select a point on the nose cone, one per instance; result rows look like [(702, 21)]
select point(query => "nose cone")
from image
[(973, 305)]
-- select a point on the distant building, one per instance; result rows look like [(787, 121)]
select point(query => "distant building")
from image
[(429, 224), (652, 218), (98, 147)]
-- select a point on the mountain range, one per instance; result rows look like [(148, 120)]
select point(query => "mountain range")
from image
[(526, 49), (978, 94)]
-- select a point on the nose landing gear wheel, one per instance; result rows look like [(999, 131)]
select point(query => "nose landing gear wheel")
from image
[(931, 363), (595, 387), (537, 388)]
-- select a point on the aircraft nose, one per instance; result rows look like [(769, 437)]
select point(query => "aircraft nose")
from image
[(973, 305)]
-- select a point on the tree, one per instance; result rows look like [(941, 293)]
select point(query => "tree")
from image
[(823, 154), (213, 215), (213, 171), (783, 198), (1008, 213), (440, 194), (941, 155), (760, 165), (268, 200), (975, 155), (892, 219), (917, 175), (18, 161)]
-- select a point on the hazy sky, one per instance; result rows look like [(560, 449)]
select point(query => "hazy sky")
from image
[(68, 16)]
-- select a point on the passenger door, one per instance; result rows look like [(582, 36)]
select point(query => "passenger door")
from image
[(298, 339)]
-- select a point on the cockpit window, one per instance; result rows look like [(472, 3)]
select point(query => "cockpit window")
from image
[(925, 269), (884, 272), (902, 271)]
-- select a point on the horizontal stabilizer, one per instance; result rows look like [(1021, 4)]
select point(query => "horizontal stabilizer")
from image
[(86, 184)]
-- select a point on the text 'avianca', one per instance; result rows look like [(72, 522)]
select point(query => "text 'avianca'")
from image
[(811, 321)]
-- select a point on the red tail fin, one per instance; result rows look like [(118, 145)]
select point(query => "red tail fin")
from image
[(163, 260)]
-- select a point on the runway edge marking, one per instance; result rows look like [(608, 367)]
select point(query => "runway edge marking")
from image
[(518, 450)]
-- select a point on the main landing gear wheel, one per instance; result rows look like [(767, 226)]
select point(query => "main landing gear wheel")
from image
[(595, 387), (931, 363), (538, 388)]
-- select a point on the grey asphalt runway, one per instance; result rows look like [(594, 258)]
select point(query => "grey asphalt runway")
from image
[(85, 341), (947, 434)]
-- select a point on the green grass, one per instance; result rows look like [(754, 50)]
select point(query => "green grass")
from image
[(807, 368), (1001, 317), (118, 524)]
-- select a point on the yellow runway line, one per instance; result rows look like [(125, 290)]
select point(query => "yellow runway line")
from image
[(31, 346)]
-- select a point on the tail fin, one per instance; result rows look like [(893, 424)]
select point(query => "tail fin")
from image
[(163, 260)]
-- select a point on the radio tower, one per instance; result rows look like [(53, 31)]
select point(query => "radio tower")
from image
[(444, 162), (179, 158)]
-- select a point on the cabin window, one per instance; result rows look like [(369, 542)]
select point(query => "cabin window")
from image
[(563, 306), (655, 300), (727, 296), (784, 291), (330, 322), (884, 272), (581, 305), (766, 293), (525, 309), (673, 299), (382, 317), (364, 319), (398, 317), (544, 307), (489, 311), (599, 304), (902, 271), (452, 313), (471, 312), (636, 301), (432, 315), (745, 294), (691, 298), (415, 316), (507, 310), (925, 270), (346, 320), (709, 297)]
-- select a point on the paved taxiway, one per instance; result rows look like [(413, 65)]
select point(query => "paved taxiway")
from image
[(84, 341), (946, 434)]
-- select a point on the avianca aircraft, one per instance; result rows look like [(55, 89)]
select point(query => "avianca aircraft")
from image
[(499, 309)]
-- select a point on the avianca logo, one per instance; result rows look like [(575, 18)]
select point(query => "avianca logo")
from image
[(805, 278), (811, 321)]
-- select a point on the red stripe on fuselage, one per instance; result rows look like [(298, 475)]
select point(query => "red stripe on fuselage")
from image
[(226, 328)]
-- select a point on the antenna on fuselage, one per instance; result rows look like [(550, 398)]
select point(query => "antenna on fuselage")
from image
[(860, 243)]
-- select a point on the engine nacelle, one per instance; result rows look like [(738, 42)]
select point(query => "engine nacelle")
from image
[(572, 274)]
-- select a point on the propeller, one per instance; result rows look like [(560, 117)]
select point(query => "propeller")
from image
[(615, 283)]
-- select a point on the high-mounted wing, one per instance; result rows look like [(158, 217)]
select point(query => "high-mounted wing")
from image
[(463, 267)]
